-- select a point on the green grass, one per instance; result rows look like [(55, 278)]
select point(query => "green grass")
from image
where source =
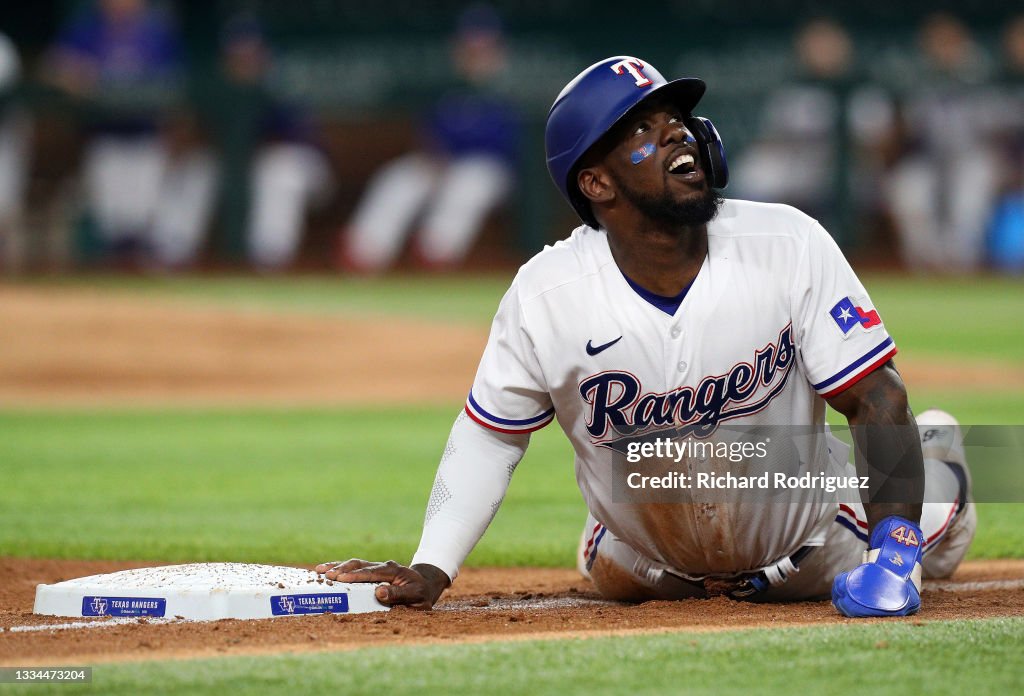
[(899, 657), (298, 486), (958, 318)]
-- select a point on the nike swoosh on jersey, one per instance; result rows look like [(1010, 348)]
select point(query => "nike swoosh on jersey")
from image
[(594, 350)]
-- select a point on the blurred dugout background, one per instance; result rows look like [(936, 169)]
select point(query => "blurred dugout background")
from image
[(325, 134)]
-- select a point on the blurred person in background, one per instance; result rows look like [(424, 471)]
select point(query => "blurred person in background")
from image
[(942, 180), (1005, 243), (815, 133), (465, 167), (272, 167), (15, 132), (146, 183)]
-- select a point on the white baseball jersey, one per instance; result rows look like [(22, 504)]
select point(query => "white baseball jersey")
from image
[(775, 320)]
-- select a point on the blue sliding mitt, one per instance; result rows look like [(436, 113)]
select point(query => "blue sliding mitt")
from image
[(888, 583)]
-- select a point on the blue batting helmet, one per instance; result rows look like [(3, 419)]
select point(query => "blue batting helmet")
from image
[(596, 99)]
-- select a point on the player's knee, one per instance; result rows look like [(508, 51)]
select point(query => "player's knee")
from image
[(616, 583)]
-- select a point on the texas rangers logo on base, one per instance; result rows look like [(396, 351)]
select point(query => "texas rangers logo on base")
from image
[(319, 603), (123, 606), (287, 604)]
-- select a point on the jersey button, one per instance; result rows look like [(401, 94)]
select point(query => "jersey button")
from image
[(682, 366), (676, 332)]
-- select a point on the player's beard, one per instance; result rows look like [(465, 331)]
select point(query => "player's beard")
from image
[(665, 210)]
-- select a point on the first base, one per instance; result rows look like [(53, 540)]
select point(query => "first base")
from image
[(205, 592)]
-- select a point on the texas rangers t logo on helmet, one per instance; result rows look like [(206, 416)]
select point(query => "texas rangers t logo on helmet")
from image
[(634, 67)]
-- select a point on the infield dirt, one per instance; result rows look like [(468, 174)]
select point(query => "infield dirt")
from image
[(85, 348), (484, 604)]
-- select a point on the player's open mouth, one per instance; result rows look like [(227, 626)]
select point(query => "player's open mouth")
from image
[(684, 166), (681, 164)]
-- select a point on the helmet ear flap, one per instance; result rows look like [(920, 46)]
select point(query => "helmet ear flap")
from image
[(712, 150)]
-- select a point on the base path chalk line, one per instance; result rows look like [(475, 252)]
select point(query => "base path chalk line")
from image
[(980, 586), (539, 604), (89, 624)]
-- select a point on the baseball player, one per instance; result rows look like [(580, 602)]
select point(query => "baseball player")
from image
[(671, 318)]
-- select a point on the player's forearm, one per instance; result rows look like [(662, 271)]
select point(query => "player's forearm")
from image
[(896, 469), (887, 445), (470, 484)]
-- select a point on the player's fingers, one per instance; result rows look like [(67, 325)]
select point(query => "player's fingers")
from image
[(324, 567), (406, 595), (361, 571), (344, 566)]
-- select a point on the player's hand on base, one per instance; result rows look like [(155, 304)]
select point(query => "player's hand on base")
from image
[(417, 587)]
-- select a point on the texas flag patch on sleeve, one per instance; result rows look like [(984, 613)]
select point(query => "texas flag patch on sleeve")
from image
[(848, 316)]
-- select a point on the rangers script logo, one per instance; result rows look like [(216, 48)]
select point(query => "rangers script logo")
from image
[(616, 399)]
